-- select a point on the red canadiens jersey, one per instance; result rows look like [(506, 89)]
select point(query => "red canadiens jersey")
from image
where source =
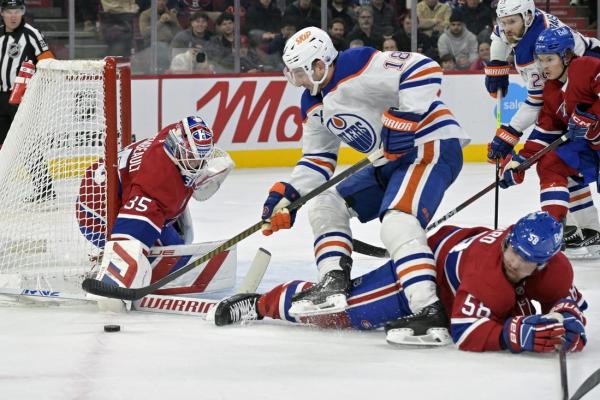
[(152, 192), (560, 100), (476, 293)]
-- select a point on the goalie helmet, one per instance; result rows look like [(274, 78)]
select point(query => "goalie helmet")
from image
[(189, 144), (524, 8), (555, 41), (536, 237), (302, 50)]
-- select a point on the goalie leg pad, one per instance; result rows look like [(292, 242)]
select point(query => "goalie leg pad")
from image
[(329, 217), (406, 241), (124, 264)]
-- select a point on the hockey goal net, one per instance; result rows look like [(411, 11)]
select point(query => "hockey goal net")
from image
[(73, 114)]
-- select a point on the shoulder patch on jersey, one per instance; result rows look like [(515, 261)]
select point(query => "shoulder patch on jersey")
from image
[(349, 62), (307, 102)]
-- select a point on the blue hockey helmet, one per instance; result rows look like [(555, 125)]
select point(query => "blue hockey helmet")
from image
[(536, 237), (555, 41), (189, 144)]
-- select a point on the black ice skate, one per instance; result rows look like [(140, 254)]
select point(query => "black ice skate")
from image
[(326, 297), (581, 243), (239, 308), (428, 327)]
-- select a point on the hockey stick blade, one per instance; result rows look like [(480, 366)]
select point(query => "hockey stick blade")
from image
[(521, 167), (256, 272), (369, 249), (99, 288), (591, 382)]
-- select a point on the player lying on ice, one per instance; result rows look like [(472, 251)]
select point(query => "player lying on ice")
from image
[(157, 178), (519, 24), (487, 280), (573, 109), (369, 99)]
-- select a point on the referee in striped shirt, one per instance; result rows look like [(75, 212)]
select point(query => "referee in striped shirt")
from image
[(19, 41)]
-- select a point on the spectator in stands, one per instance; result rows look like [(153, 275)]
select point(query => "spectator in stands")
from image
[(341, 9), (458, 41), (116, 25), (433, 17), (249, 60), (389, 45), (263, 20), (337, 30), (384, 23), (167, 23), (288, 28), (447, 62), (305, 13), (197, 33), (356, 43), (483, 50), (85, 11), (192, 61), (364, 29), (425, 45), (478, 17), (221, 44)]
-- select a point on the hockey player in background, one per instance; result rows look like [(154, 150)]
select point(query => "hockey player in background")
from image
[(369, 99), (519, 24), (157, 178), (487, 280), (573, 108)]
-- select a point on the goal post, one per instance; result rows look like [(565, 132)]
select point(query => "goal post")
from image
[(73, 114)]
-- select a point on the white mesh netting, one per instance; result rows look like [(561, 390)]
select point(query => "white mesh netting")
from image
[(58, 132)]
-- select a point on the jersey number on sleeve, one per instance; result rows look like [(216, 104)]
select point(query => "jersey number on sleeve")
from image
[(138, 203), (472, 307)]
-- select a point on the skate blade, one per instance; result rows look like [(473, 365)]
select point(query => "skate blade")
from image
[(404, 337), (210, 315), (583, 253), (333, 304)]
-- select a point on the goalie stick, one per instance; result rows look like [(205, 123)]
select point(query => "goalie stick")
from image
[(100, 288), (370, 250)]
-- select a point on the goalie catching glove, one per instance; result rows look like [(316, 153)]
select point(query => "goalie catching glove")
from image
[(275, 214), (398, 132)]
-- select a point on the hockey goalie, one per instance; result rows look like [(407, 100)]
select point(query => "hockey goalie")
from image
[(157, 178)]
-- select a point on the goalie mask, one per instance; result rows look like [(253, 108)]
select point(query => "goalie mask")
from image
[(189, 144), (536, 237)]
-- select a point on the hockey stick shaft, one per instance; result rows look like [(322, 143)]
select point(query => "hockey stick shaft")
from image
[(564, 380), (497, 169), (521, 167), (591, 382), (99, 288)]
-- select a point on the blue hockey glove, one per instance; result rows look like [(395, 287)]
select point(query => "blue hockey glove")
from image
[(275, 214), (509, 176), (583, 125), (574, 324), (496, 77), (537, 333), (398, 132), (503, 143)]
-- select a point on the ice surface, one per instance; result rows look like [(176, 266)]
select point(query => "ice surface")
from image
[(63, 353)]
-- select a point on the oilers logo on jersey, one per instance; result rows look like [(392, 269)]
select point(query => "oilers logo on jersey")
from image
[(353, 130)]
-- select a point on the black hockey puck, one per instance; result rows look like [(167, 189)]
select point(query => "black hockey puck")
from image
[(112, 328)]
